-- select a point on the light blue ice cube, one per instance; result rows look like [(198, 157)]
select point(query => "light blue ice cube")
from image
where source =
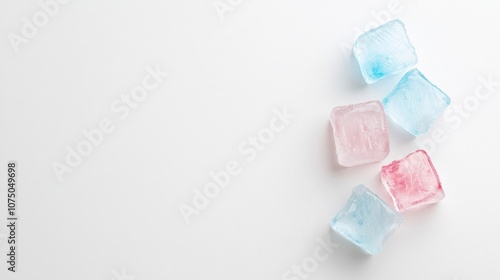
[(384, 51), (366, 220), (415, 103)]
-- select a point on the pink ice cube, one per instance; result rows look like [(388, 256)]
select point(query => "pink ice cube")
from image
[(412, 181), (360, 133)]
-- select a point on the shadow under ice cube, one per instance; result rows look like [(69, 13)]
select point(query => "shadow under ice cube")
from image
[(412, 181), (384, 51), (366, 220), (360, 133)]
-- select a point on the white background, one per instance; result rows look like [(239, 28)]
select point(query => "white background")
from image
[(116, 215)]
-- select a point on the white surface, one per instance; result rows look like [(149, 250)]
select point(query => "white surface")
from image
[(117, 214)]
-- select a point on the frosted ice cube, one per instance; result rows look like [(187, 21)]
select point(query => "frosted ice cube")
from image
[(412, 181), (384, 51), (366, 220), (415, 103), (360, 133)]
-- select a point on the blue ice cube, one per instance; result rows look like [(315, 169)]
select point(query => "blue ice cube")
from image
[(366, 220), (415, 103), (384, 51)]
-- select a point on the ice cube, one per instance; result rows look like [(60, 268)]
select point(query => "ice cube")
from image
[(366, 220), (384, 51), (360, 133), (412, 181), (415, 103)]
